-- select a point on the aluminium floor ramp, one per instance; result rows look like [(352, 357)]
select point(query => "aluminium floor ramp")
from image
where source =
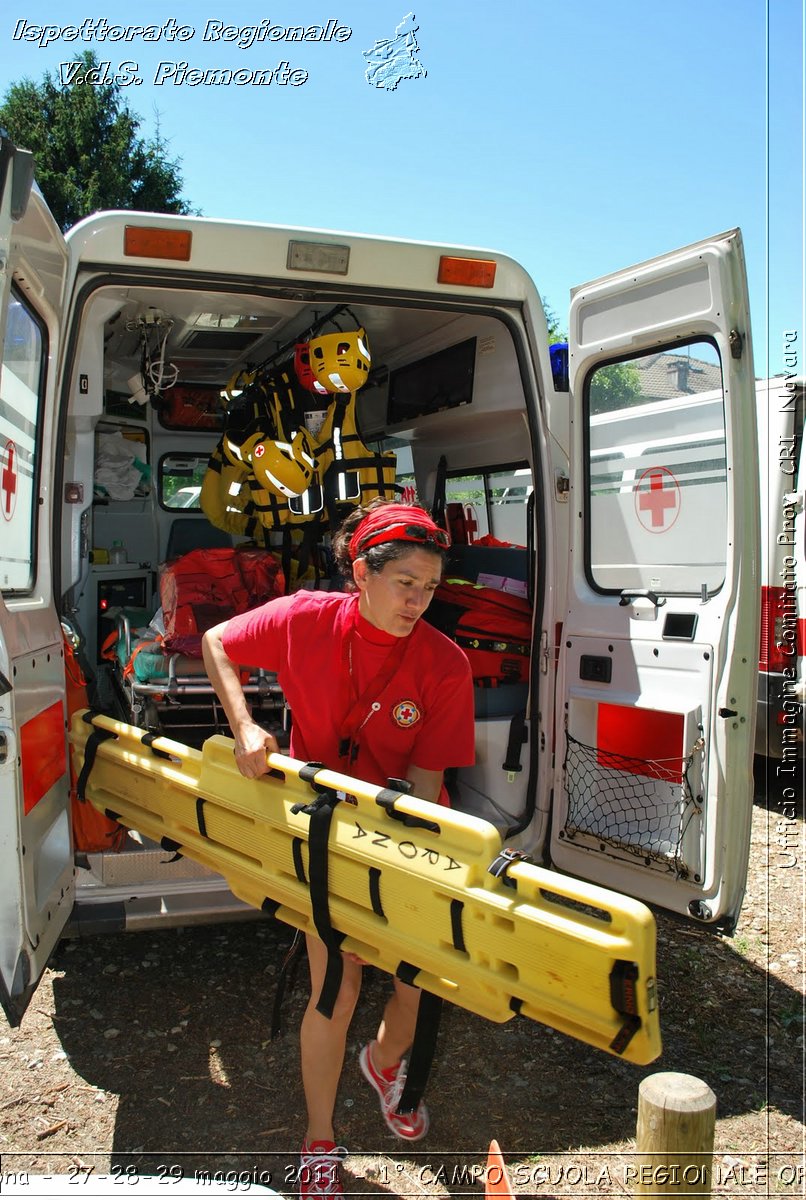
[(408, 883)]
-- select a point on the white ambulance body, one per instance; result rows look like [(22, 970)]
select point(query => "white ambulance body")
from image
[(626, 760), (685, 435)]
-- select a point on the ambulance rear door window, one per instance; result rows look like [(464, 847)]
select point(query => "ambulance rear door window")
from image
[(656, 486), (21, 391)]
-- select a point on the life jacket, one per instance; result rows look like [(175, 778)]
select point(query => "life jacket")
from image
[(271, 408), (347, 473), (225, 497), (494, 629), (353, 474)]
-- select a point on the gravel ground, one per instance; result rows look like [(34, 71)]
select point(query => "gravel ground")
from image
[(151, 1054)]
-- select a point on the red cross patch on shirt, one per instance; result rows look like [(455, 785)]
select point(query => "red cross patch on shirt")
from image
[(406, 714)]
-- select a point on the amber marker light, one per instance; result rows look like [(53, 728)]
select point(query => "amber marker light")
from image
[(145, 241), (472, 272)]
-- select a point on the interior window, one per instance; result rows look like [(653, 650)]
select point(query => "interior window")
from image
[(180, 480), (657, 472), (494, 501), (21, 388)]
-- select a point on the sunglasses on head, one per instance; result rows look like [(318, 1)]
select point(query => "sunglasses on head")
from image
[(406, 533)]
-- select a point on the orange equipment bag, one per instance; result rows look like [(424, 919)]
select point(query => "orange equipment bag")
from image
[(92, 831), (205, 587), (494, 629)]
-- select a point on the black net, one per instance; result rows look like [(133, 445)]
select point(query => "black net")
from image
[(641, 806)]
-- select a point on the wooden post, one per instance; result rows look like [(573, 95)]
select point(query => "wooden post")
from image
[(675, 1136)]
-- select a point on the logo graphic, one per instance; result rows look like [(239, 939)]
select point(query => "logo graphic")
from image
[(657, 499), (406, 714), (259, 450), (8, 479), (392, 60)]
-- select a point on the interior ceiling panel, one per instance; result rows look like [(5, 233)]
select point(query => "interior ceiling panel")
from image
[(210, 334)]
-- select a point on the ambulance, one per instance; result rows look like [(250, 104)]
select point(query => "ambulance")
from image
[(622, 757)]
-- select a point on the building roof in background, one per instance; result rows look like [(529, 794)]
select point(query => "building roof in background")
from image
[(670, 374)]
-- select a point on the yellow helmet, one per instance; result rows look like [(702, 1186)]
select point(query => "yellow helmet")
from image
[(239, 448), (340, 361), (284, 468)]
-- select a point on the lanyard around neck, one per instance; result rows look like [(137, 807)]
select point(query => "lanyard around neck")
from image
[(366, 704)]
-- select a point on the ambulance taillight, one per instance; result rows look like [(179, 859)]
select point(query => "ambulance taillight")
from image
[(774, 652)]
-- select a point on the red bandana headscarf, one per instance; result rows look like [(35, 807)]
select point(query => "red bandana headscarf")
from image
[(397, 523)]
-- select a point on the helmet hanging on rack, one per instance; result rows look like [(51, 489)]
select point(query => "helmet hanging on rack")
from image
[(340, 362), (304, 370), (283, 468)]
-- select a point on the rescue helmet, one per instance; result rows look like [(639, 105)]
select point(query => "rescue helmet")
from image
[(304, 370), (340, 361), (238, 445), (284, 468)]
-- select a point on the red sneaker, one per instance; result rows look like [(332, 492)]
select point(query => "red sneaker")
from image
[(319, 1174), (389, 1085)]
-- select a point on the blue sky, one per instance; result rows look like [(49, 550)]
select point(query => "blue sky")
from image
[(579, 137)]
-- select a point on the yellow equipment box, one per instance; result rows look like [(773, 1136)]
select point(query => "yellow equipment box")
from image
[(411, 884)]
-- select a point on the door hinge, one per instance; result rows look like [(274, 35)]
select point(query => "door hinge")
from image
[(736, 342), (3, 748), (544, 653)]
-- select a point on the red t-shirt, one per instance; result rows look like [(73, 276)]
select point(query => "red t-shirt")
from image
[(424, 716)]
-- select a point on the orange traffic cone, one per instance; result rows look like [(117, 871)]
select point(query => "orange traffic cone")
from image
[(497, 1181)]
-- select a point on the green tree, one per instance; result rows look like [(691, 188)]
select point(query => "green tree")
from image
[(615, 386), (556, 333), (88, 149)]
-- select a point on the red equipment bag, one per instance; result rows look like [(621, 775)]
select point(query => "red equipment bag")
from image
[(493, 628), (204, 587), (92, 831)]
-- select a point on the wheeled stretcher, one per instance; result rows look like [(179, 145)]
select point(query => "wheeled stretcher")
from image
[(415, 889), (169, 692)]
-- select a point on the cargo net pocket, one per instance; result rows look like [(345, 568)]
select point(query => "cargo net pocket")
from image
[(641, 806)]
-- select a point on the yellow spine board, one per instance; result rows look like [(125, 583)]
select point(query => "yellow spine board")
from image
[(417, 893)]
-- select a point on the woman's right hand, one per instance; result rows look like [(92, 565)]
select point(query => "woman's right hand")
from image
[(252, 745)]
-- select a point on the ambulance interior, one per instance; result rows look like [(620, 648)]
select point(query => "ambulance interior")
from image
[(155, 371)]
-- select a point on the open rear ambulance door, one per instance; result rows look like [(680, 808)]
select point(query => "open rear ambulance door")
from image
[(36, 861), (658, 655)]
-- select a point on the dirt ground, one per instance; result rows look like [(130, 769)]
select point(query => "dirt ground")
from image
[(151, 1054)]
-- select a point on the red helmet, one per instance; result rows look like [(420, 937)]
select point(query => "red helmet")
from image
[(302, 366)]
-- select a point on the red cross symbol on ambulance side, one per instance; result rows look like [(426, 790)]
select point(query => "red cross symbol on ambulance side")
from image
[(657, 499), (8, 481)]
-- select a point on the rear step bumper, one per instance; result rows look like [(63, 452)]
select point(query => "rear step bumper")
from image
[(147, 888)]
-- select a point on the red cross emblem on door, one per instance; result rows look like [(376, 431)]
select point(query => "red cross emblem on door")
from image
[(9, 474), (657, 499)]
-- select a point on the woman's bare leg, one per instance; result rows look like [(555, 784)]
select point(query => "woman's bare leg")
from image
[(323, 1041), (396, 1030)]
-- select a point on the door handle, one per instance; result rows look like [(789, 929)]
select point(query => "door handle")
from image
[(627, 597)]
